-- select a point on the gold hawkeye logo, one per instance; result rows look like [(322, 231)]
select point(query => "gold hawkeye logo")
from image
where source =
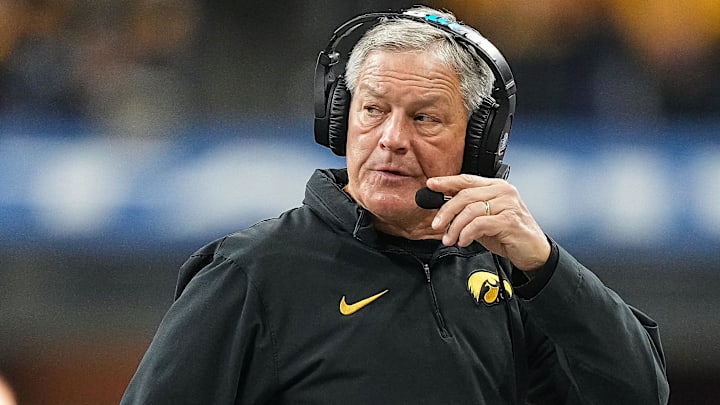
[(484, 286), (349, 309)]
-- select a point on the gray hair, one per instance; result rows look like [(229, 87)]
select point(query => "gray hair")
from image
[(400, 35)]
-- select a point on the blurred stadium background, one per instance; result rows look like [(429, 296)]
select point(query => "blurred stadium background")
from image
[(132, 132)]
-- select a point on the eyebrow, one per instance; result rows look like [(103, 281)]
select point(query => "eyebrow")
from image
[(429, 98)]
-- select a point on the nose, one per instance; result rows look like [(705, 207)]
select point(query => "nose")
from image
[(396, 133)]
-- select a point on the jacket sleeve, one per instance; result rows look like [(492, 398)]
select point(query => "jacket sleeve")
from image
[(606, 352), (212, 346)]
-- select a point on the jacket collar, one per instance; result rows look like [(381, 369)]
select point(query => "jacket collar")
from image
[(325, 196)]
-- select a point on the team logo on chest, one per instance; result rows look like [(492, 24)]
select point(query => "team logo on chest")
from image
[(484, 287)]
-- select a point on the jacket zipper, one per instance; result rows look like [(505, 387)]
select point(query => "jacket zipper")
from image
[(444, 333), (439, 320)]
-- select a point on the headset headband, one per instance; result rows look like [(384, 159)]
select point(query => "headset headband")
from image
[(504, 81)]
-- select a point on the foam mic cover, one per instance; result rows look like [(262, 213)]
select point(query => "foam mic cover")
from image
[(430, 200)]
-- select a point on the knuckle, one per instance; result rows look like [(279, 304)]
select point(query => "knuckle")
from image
[(511, 189), (475, 210), (468, 179), (463, 193)]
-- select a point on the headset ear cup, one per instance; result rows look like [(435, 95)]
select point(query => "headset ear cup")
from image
[(338, 106), (475, 158)]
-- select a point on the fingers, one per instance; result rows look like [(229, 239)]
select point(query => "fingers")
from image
[(472, 197), (452, 185), (476, 220), (491, 212)]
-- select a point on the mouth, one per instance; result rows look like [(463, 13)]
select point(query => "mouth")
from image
[(393, 171), (392, 175)]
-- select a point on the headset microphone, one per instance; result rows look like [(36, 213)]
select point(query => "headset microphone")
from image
[(430, 200)]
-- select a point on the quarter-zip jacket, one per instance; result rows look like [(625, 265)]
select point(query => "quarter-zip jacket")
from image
[(314, 307)]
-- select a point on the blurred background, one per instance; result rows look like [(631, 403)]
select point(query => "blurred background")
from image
[(134, 131)]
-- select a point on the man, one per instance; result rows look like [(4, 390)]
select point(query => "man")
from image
[(359, 296)]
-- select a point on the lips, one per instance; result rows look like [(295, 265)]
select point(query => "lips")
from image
[(393, 178), (393, 171)]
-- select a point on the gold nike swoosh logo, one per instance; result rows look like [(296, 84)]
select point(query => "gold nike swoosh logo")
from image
[(349, 309)]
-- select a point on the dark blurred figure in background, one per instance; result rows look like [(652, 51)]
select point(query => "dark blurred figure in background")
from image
[(124, 67)]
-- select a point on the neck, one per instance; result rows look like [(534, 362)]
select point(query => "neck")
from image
[(412, 228), (415, 225)]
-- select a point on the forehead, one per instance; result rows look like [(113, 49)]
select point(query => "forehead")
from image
[(408, 70)]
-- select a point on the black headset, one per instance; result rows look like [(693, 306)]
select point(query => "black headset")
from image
[(489, 125)]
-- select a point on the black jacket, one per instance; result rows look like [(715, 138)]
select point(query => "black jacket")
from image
[(258, 318)]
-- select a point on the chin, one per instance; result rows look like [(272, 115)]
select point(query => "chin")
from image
[(385, 198), (390, 204)]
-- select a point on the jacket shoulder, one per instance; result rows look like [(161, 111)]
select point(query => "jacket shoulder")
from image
[(268, 237)]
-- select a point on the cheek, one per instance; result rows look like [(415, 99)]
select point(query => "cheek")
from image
[(355, 147), (359, 142), (357, 151), (458, 154), (449, 164)]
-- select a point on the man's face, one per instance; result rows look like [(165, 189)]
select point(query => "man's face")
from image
[(406, 124)]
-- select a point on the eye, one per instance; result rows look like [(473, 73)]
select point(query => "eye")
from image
[(372, 110), (425, 118)]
